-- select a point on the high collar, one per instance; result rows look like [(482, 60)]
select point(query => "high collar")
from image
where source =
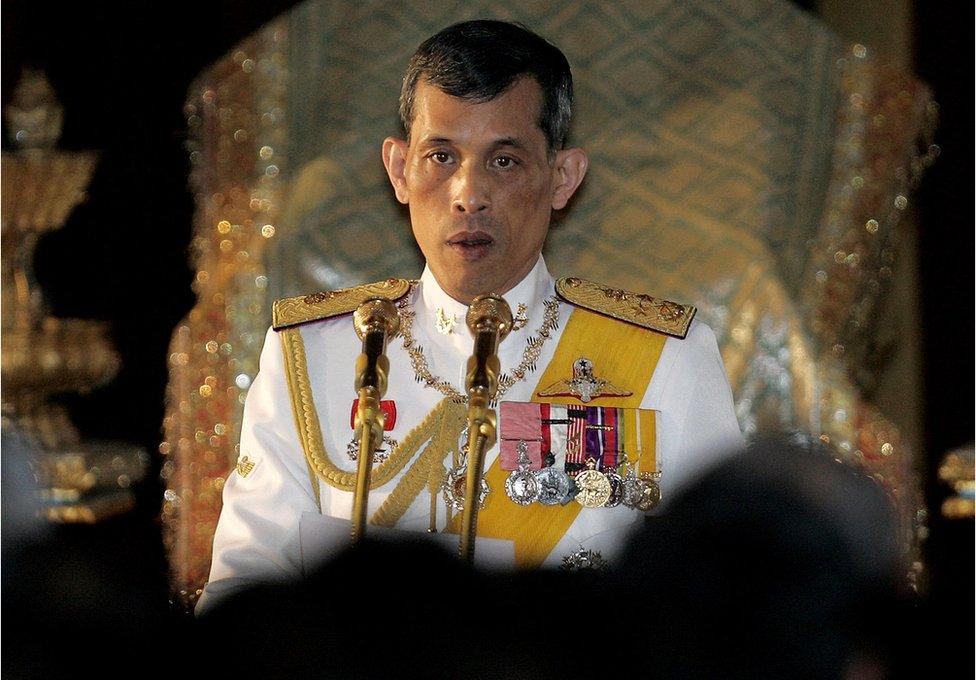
[(531, 292)]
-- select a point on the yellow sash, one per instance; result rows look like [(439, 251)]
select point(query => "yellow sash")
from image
[(625, 356)]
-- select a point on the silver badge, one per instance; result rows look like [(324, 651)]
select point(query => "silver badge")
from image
[(521, 485), (379, 455), (632, 488), (584, 560), (554, 486), (454, 485)]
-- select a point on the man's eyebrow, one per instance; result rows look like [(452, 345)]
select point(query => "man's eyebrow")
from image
[(509, 141), (436, 140), (513, 142)]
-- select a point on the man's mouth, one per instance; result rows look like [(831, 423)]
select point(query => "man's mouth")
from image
[(472, 245)]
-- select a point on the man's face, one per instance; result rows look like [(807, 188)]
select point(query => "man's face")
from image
[(480, 186)]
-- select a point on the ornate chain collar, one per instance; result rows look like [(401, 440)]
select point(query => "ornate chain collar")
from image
[(421, 368)]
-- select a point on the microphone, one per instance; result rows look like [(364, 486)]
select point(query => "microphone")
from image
[(489, 319), (375, 321)]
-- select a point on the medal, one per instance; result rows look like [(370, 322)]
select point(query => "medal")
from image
[(521, 485), (616, 489), (454, 488), (456, 480), (650, 493), (641, 493), (379, 455), (571, 494), (554, 486), (632, 488), (388, 406), (594, 487)]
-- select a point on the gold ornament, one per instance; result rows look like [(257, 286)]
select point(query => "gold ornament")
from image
[(594, 487), (244, 466), (421, 368), (444, 322), (639, 309)]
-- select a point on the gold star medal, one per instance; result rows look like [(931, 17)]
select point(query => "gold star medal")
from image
[(455, 483), (594, 487)]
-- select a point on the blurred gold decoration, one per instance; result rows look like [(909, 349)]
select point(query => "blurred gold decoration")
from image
[(236, 122), (743, 159), (956, 470), (43, 355), (34, 116)]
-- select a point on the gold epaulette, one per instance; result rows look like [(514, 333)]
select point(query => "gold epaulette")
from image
[(642, 310), (301, 309)]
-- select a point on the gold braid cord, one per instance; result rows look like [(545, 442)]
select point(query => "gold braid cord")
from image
[(424, 472), (310, 431)]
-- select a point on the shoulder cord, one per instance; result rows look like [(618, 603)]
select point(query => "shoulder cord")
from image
[(313, 444)]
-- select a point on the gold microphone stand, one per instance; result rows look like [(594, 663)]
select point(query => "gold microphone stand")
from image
[(375, 321), (489, 319)]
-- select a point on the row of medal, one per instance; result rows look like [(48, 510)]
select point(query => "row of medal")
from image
[(591, 488)]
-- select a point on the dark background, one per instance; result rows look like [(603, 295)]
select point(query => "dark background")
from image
[(122, 71)]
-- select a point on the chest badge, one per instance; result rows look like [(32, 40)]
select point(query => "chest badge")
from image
[(584, 385), (444, 321), (388, 406), (245, 465)]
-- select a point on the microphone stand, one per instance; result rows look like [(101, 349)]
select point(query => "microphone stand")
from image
[(375, 321), (489, 319)]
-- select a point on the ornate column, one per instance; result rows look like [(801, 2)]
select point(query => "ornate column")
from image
[(43, 355)]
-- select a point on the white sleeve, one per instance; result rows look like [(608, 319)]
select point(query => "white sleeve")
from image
[(257, 536), (697, 427)]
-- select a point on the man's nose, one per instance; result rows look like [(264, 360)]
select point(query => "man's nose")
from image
[(471, 190)]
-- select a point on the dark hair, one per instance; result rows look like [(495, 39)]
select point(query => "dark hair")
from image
[(479, 60)]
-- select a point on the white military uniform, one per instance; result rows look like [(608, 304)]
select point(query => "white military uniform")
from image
[(263, 531)]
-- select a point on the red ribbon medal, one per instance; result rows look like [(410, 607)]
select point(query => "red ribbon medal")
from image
[(388, 406)]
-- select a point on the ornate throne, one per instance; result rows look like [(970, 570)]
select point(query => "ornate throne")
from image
[(743, 159)]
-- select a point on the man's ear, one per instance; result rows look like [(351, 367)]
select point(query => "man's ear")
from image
[(569, 168), (395, 161)]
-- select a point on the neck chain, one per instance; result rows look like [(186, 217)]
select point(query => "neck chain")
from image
[(421, 368)]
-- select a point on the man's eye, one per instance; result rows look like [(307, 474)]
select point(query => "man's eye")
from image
[(441, 157), (504, 162)]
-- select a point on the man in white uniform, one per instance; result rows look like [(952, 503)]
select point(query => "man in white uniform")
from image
[(608, 400)]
